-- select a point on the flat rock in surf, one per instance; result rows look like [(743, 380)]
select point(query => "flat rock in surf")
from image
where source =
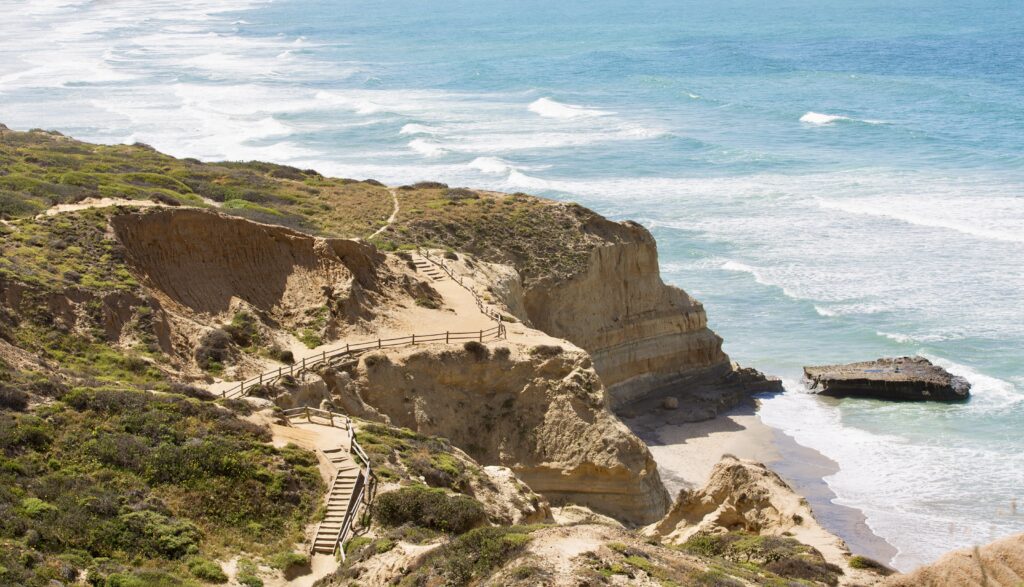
[(901, 379)]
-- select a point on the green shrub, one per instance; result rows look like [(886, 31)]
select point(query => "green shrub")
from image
[(477, 350), (429, 508), (248, 574), (429, 303), (805, 568), (865, 563), (545, 351), (13, 399), (36, 508), (476, 554), (456, 194), (425, 185), (207, 570), (283, 561), (214, 349)]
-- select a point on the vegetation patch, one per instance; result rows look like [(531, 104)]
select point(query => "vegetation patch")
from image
[(106, 478), (40, 169), (472, 557), (865, 563), (435, 509)]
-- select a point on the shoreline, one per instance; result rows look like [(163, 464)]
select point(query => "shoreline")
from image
[(686, 453)]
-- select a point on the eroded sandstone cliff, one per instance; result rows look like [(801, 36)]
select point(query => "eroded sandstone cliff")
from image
[(201, 260), (642, 334), (545, 417)]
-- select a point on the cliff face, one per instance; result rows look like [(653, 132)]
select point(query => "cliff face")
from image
[(546, 418), (642, 334), (202, 260)]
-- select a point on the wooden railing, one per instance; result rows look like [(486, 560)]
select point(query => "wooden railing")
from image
[(366, 484), (306, 363), (490, 313), (358, 498)]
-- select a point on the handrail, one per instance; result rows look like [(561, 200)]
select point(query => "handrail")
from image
[(496, 332), (493, 315), (306, 363), (350, 516), (367, 479), (321, 522)]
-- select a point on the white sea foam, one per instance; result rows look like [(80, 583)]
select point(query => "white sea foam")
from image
[(992, 392), (822, 119), (427, 148), (490, 165), (549, 108), (920, 338), (417, 129), (884, 475), (819, 119), (986, 218)]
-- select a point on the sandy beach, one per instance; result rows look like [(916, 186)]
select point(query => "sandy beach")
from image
[(686, 452)]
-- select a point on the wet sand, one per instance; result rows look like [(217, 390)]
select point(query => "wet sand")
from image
[(686, 452)]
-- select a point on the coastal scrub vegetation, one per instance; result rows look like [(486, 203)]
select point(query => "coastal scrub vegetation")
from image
[(40, 169), (540, 238), (130, 487)]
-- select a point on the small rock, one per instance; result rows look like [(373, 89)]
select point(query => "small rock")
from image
[(670, 403)]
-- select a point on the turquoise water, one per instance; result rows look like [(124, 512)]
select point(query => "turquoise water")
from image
[(836, 180)]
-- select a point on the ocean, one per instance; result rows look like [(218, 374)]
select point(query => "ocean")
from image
[(835, 180)]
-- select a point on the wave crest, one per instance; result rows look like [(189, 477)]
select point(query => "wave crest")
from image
[(549, 108)]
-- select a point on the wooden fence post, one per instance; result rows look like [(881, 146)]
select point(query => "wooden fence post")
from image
[(379, 343), (414, 339), (308, 418), (446, 337), (481, 336)]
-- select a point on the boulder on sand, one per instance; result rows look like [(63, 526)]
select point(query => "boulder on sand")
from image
[(901, 378)]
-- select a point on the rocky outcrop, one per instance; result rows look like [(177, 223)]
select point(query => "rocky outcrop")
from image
[(740, 495), (545, 417), (642, 334), (748, 496), (999, 564), (903, 379)]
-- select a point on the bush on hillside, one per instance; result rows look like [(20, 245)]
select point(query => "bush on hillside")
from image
[(214, 348), (425, 185), (13, 399), (461, 194), (863, 562), (545, 351), (430, 508), (477, 350), (807, 569)]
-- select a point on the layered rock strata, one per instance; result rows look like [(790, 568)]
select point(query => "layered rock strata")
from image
[(642, 334)]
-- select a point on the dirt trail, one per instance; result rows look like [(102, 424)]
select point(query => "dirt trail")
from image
[(108, 202), (391, 219)]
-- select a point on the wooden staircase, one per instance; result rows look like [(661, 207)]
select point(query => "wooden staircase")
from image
[(427, 268), (341, 499)]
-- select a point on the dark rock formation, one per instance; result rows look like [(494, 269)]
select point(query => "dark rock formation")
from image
[(902, 378)]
